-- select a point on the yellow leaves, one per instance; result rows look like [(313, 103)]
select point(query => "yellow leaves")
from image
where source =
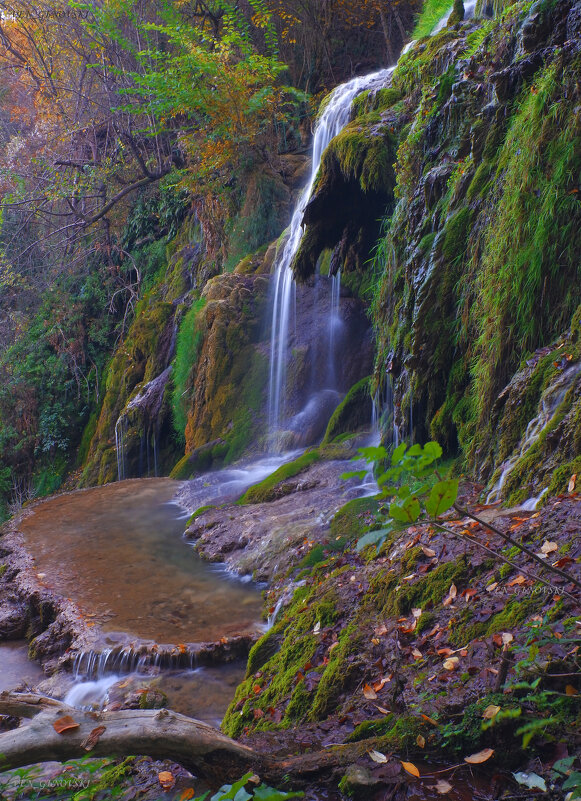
[(572, 483), (452, 663), (491, 712), (410, 768), (369, 692), (481, 756), (421, 741), (166, 779)]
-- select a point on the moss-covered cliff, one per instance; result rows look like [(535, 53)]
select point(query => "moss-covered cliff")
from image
[(477, 267)]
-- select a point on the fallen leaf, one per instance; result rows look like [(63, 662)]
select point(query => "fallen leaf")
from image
[(369, 692), (428, 551), (421, 741), (481, 756), (417, 612), (453, 592), (409, 767), (410, 577), (166, 779), (445, 651), (507, 637), (187, 794), (549, 547), (64, 724), (442, 787), (379, 685), (572, 482), (452, 663), (430, 720), (520, 579), (317, 628), (492, 587), (470, 593), (531, 780), (382, 709), (91, 741), (563, 561), (570, 690), (417, 654), (491, 712), (380, 630), (378, 757)]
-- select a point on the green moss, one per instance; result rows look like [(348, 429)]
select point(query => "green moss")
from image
[(265, 490), (428, 591), (352, 414), (188, 344), (262, 651), (432, 12), (353, 519), (198, 512), (111, 780), (562, 475), (338, 672), (371, 728), (365, 153)]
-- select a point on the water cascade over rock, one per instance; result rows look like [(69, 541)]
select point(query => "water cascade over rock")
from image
[(334, 116)]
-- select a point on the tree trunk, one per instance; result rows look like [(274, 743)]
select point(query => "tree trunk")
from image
[(161, 734)]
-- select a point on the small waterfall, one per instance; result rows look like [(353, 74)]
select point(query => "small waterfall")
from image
[(146, 403), (332, 120), (120, 433), (549, 403), (334, 324)]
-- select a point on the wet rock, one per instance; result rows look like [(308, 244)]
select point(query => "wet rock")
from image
[(357, 782), (12, 620)]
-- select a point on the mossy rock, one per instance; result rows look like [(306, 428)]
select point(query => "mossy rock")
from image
[(353, 413), (269, 488)]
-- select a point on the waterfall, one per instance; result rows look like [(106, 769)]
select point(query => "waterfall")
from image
[(332, 120), (333, 325), (549, 403), (120, 432)]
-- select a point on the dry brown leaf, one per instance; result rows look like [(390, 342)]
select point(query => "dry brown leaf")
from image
[(507, 637), (378, 757), (470, 593), (572, 482), (410, 577), (520, 579), (417, 654), (492, 587), (380, 630), (428, 551), (481, 756), (442, 787), (187, 794), (491, 711), (369, 692), (445, 651), (166, 779), (379, 685), (64, 724), (382, 709), (91, 741), (421, 741), (452, 663), (570, 690), (409, 767), (453, 591), (549, 547)]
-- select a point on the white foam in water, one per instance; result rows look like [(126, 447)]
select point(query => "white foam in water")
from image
[(90, 694)]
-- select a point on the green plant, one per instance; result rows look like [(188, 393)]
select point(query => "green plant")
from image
[(238, 792), (410, 480)]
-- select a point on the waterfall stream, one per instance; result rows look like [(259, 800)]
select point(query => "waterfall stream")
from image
[(332, 120)]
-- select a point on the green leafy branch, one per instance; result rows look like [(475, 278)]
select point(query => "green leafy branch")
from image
[(409, 480)]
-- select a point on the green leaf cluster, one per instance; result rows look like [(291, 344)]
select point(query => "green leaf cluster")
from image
[(406, 479), (238, 792)]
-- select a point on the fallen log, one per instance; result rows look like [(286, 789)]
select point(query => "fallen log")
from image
[(161, 734)]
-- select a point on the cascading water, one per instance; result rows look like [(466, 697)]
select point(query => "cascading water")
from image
[(549, 403), (332, 120)]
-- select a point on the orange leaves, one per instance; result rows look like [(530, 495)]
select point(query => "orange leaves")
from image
[(64, 724), (166, 779), (369, 692), (91, 741), (410, 768), (481, 756)]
